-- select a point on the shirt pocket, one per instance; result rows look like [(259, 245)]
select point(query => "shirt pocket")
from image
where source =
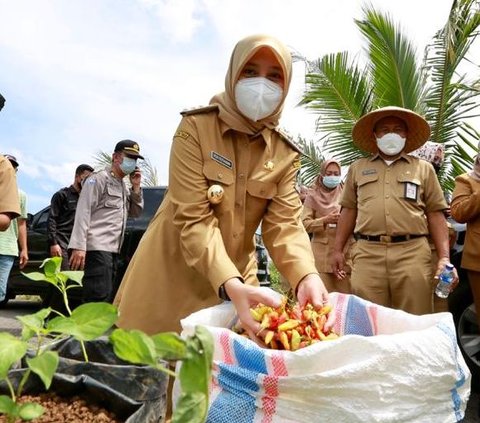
[(113, 198), (261, 189), (216, 174), (409, 187), (367, 188)]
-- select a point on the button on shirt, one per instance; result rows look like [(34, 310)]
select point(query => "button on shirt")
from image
[(392, 199)]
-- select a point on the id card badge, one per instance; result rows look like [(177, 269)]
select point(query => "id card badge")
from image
[(411, 191)]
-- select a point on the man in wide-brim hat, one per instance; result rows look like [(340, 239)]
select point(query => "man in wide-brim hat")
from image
[(391, 202)]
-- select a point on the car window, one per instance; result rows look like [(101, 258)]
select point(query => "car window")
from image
[(40, 221)]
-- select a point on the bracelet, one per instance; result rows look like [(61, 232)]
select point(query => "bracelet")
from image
[(222, 293)]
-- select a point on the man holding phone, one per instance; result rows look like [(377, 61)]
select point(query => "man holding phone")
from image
[(103, 207)]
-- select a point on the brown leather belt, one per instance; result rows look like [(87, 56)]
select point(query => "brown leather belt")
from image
[(386, 238)]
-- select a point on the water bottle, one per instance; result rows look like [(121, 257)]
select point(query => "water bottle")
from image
[(445, 279)]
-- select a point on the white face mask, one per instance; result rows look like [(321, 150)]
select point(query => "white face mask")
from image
[(390, 144), (257, 97)]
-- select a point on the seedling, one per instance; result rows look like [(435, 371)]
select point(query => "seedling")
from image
[(86, 323)]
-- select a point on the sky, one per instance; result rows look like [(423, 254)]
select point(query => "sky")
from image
[(80, 75)]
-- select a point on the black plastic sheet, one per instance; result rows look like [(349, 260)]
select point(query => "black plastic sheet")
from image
[(136, 394)]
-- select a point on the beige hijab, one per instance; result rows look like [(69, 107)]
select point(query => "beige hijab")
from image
[(241, 54), (475, 173), (322, 199)]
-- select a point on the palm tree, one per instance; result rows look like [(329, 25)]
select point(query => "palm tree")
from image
[(340, 90), (149, 172)]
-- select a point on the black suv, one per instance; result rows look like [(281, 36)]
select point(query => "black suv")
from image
[(38, 249)]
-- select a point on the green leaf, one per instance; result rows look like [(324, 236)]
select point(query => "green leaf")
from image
[(51, 266), (134, 346), (74, 275), (44, 366), (191, 407), (169, 346), (195, 372), (39, 277), (87, 322), (33, 323), (12, 350), (30, 411), (7, 405)]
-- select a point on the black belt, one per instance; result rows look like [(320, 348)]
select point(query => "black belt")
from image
[(386, 238)]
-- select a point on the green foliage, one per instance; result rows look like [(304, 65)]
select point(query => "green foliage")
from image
[(196, 354), (88, 322), (340, 90)]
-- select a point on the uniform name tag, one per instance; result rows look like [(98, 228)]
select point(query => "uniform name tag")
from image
[(411, 191), (222, 160), (369, 172)]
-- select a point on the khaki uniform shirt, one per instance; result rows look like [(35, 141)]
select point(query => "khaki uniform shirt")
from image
[(191, 246), (9, 200), (102, 211), (392, 200), (323, 240), (465, 208)]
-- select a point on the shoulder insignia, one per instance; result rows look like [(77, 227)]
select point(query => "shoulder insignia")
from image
[(199, 110), (288, 139), (182, 134)]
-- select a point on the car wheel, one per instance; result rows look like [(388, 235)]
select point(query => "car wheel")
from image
[(469, 341)]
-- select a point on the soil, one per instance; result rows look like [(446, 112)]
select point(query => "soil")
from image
[(67, 410)]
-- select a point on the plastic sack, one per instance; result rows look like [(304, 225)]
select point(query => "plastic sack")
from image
[(136, 394), (387, 366)]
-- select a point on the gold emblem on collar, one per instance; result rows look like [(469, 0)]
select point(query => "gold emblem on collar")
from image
[(269, 165), (215, 194)]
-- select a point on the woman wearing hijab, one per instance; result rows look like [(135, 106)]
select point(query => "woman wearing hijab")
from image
[(465, 208), (230, 169), (320, 215)]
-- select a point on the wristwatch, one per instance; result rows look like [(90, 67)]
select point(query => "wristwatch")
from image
[(222, 293)]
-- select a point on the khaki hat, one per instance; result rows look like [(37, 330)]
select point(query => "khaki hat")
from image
[(418, 128)]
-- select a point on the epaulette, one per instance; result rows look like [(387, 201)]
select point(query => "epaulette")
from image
[(288, 139), (199, 109)]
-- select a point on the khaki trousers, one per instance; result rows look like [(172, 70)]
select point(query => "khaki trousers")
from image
[(396, 275)]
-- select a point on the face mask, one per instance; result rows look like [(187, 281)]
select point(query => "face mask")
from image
[(331, 181), (257, 97), (128, 165), (390, 144)]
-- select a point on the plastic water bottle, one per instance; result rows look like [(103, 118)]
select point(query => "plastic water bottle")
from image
[(444, 281)]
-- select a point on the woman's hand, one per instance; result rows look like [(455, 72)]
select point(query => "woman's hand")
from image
[(311, 289), (246, 296)]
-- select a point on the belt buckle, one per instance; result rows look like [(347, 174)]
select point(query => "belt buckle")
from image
[(385, 238)]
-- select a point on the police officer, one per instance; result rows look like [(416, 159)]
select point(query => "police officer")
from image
[(230, 169), (102, 210), (392, 201)]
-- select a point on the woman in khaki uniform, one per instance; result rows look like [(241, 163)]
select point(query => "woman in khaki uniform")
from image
[(465, 208), (320, 215), (230, 169)]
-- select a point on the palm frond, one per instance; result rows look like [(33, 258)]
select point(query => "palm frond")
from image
[(449, 101), (393, 62), (339, 92), (311, 161)]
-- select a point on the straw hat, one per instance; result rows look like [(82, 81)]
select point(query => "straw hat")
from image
[(418, 128)]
